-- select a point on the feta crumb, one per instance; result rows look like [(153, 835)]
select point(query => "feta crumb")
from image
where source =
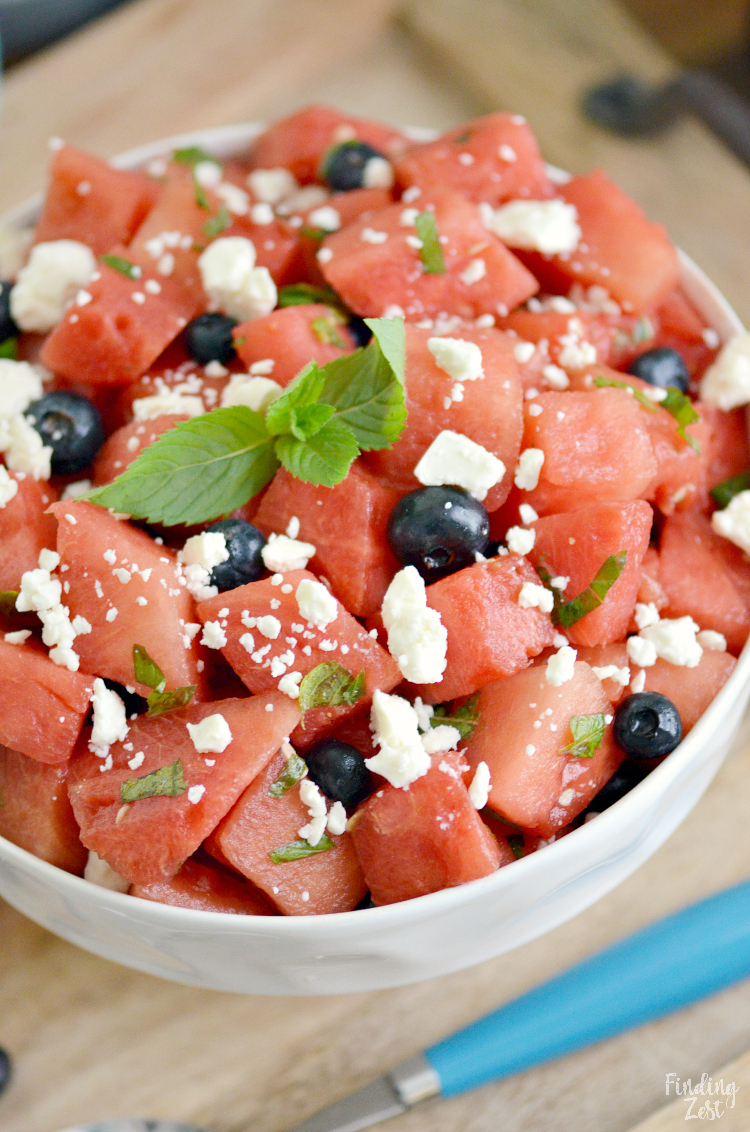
[(212, 734), (214, 636), (675, 640), (255, 392), (284, 553), (707, 639), (324, 255), (523, 352), (459, 359), (20, 384), (566, 797), (8, 487), (232, 281), (195, 793), (534, 596), (325, 217), (272, 185), (638, 683), (561, 666), (529, 466), (316, 603), (370, 236), (440, 739), (75, 491), (726, 383), (733, 523), (528, 514), (311, 797), (476, 270), (453, 458), (641, 651), (555, 377), (401, 758), (289, 684), (479, 790), (645, 614), (520, 540), (110, 721), (268, 626), (97, 871), (336, 822), (377, 174), (417, 638), (111, 614), (536, 410), (163, 404), (198, 557), (55, 271), (23, 448), (546, 226), (424, 712), (612, 672), (19, 637)]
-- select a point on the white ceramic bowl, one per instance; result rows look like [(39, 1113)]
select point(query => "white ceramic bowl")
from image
[(401, 943)]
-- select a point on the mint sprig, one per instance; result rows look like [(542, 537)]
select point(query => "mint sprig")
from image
[(167, 781), (9, 349), (213, 464), (193, 155), (124, 266), (324, 329), (431, 253), (724, 492), (330, 685), (298, 850), (8, 602), (300, 294), (219, 223), (464, 718), (587, 732), (147, 672), (294, 769), (681, 408), (567, 613)]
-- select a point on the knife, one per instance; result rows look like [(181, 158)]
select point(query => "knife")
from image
[(661, 968)]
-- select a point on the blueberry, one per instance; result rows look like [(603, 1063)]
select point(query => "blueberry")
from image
[(6, 1070), (627, 775), (344, 165), (8, 328), (439, 530), (71, 426), (244, 543), (340, 772), (662, 367), (647, 725), (359, 330), (208, 338)]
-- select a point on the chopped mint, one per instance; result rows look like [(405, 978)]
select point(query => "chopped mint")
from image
[(297, 850), (681, 408), (9, 349), (567, 613), (724, 492), (212, 464), (316, 234), (8, 602), (219, 223), (147, 672), (515, 840), (641, 398), (298, 294), (587, 732), (193, 155), (324, 328), (642, 331), (167, 781), (431, 253), (330, 685), (295, 769), (167, 701), (117, 263), (464, 718)]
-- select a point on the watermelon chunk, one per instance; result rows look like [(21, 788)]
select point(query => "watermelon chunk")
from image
[(352, 647), (124, 445), (490, 411), (680, 327), (691, 690), (207, 889), (149, 840), (157, 621), (328, 881), (291, 337), (602, 656), (494, 159), (42, 706), (596, 449), (651, 589), (535, 784), (25, 529), (347, 526), (489, 635), (373, 276), (89, 201), (575, 544), (429, 837), (35, 812), (554, 328), (168, 240)]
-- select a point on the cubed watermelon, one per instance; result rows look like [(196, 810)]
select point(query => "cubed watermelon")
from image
[(691, 690), (207, 889), (35, 812), (123, 446), (291, 337), (25, 529)]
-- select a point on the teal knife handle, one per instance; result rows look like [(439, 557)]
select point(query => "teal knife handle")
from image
[(659, 969)]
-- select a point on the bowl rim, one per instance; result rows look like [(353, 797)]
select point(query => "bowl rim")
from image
[(224, 141)]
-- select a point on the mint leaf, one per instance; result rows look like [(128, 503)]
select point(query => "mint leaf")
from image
[(167, 781), (464, 719), (391, 338), (724, 493), (199, 469), (8, 602), (330, 685), (302, 390), (294, 769), (297, 850), (9, 349), (681, 408), (431, 253), (193, 155), (309, 419), (132, 270), (147, 671), (324, 329), (642, 331), (567, 613), (219, 223), (515, 840), (587, 732), (324, 458), (317, 234), (641, 398), (297, 294), (166, 701)]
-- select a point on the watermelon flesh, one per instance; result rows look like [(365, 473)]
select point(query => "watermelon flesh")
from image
[(288, 337), (36, 814), (25, 529), (206, 889)]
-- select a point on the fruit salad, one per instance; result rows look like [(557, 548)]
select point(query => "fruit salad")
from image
[(373, 513)]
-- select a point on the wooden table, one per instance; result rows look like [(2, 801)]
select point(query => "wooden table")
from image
[(91, 1039)]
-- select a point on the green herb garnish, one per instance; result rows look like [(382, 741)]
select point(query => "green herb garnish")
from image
[(132, 270), (317, 234), (330, 685), (8, 602), (147, 672), (681, 408), (515, 840), (213, 464), (324, 328), (193, 155), (167, 781), (611, 383), (9, 349), (298, 294), (297, 850), (464, 718), (567, 613), (293, 771), (642, 331), (724, 493), (219, 223), (431, 253), (587, 732)]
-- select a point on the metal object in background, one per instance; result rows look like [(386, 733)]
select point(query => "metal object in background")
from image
[(26, 25), (634, 109)]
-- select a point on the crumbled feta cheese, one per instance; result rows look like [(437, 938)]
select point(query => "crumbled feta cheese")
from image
[(479, 790), (311, 797), (232, 282), (163, 404), (76, 490), (324, 255), (674, 640), (377, 174), (214, 636), (708, 639), (726, 383), (8, 487), (424, 712), (612, 672), (645, 614), (733, 523), (212, 734), (453, 458), (207, 173), (638, 683), (440, 739), (235, 198), (24, 449), (17, 638), (417, 638), (110, 720), (255, 392), (47, 284), (459, 359), (195, 793), (561, 666), (476, 270), (283, 553), (325, 217), (527, 513), (269, 626), (289, 684), (520, 540), (576, 352), (272, 185), (336, 822), (401, 758), (38, 591), (529, 466), (261, 213), (555, 377), (546, 226), (198, 557), (534, 596), (523, 352), (316, 604), (641, 651), (370, 236), (99, 872), (20, 384)]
